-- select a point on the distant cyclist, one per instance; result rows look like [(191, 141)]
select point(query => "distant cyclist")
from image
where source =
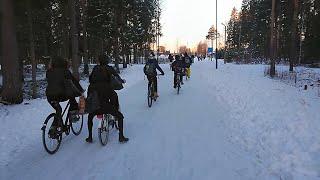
[(171, 59), (178, 67), (188, 62), (150, 70), (192, 58)]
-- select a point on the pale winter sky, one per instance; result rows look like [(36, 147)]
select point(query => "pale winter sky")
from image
[(188, 21)]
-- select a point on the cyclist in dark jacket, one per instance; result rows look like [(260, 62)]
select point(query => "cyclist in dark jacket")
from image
[(178, 66), (187, 60), (152, 77), (100, 82), (56, 76), (171, 59)]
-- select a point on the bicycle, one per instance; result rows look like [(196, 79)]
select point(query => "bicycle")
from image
[(151, 92), (52, 144), (107, 123), (178, 80)]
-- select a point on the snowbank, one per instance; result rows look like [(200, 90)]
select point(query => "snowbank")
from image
[(279, 123)]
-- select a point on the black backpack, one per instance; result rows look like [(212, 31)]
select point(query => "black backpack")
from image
[(116, 83), (149, 69)]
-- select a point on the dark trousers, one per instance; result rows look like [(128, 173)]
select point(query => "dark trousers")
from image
[(155, 81), (107, 108), (114, 100), (55, 103)]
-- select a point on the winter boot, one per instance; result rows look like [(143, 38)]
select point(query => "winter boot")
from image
[(122, 139), (89, 139)]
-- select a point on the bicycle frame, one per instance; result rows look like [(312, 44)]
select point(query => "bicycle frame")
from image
[(65, 109)]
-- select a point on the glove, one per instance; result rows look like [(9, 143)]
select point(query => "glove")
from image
[(123, 81), (162, 74)]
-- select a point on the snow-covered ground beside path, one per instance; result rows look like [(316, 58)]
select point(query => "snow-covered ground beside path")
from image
[(230, 123), (278, 123)]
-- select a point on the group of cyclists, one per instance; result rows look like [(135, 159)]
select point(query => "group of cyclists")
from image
[(63, 86), (180, 66), (58, 76)]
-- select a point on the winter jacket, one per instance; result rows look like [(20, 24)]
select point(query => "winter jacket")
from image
[(178, 64), (155, 64), (100, 82), (56, 88)]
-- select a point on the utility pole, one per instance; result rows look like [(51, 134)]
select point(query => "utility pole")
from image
[(216, 34), (225, 42), (158, 29)]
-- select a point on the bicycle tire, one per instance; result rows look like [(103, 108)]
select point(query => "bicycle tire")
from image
[(178, 85), (74, 130), (45, 133), (150, 99), (103, 131)]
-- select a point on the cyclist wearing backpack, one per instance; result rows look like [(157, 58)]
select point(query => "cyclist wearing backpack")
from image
[(100, 86), (178, 67), (150, 70)]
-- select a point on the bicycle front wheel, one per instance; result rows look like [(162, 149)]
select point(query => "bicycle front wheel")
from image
[(104, 129), (51, 138), (76, 125)]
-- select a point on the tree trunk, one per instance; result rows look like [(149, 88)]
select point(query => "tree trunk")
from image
[(85, 38), (46, 50), (293, 44), (125, 59), (135, 54), (74, 39), (12, 84), (116, 54), (272, 40), (32, 51), (65, 46)]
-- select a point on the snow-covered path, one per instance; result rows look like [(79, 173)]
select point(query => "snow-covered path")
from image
[(180, 137), (230, 123)]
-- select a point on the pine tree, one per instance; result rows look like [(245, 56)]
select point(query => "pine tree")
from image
[(12, 84)]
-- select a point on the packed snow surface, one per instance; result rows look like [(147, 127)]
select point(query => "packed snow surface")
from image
[(231, 123)]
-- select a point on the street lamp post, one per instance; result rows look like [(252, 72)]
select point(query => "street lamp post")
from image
[(216, 34)]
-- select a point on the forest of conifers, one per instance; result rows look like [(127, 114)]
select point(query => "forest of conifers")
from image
[(296, 31), (34, 31)]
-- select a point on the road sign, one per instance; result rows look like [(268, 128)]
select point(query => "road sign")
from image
[(210, 50)]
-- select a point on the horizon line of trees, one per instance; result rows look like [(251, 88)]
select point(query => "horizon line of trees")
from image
[(34, 32)]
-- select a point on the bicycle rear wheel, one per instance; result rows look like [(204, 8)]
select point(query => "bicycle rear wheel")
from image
[(178, 85), (76, 126), (150, 98), (104, 129), (51, 139)]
